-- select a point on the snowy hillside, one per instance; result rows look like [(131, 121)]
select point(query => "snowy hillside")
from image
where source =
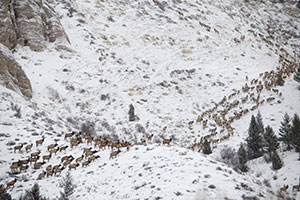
[(191, 69)]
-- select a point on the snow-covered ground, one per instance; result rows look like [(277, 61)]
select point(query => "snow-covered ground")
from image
[(172, 60)]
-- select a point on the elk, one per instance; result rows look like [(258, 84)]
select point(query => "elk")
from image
[(63, 148), (28, 147), (92, 158), (49, 168), (69, 135), (35, 154), (284, 188), (11, 183), (85, 163), (114, 154), (38, 165), (34, 159), (143, 140), (167, 141), (149, 138), (66, 158), (41, 175), (24, 162), (78, 160), (296, 187), (14, 166), (39, 142), (18, 148), (24, 168), (47, 157), (58, 170), (89, 153), (73, 166), (54, 151), (51, 146)]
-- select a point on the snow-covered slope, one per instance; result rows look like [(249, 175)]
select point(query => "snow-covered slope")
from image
[(173, 60)]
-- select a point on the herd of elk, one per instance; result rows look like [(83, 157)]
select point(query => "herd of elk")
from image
[(218, 115)]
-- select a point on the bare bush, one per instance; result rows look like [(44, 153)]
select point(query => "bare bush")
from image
[(140, 128), (88, 127), (17, 109), (229, 156)]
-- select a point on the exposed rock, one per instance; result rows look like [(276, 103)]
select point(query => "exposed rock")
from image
[(29, 23), (11, 74), (8, 35)]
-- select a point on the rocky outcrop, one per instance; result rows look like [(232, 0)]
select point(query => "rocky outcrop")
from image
[(11, 74), (29, 23), (8, 34)]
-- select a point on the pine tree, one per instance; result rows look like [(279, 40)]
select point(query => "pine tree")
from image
[(285, 131), (206, 147), (276, 161), (254, 140), (297, 74), (68, 187), (260, 123), (243, 158), (270, 141), (295, 133), (35, 191)]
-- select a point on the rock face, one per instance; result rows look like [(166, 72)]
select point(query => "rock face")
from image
[(11, 74), (8, 34), (29, 23)]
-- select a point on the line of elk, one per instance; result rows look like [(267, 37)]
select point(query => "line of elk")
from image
[(68, 161), (250, 92)]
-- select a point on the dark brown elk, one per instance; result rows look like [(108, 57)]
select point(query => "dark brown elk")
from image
[(89, 153), (14, 166), (47, 157), (11, 183), (93, 157), (63, 148), (69, 135), (38, 165), (114, 154), (35, 154), (23, 168), (40, 142), (41, 175), (78, 160), (284, 188), (167, 141), (66, 158), (49, 168), (51, 146), (58, 170), (54, 151), (85, 163), (18, 148), (73, 166), (34, 159), (296, 187), (28, 147), (149, 137)]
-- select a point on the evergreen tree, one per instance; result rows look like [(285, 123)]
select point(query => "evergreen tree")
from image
[(206, 147), (285, 131), (243, 158), (270, 141), (131, 113), (68, 187), (35, 191), (3, 194), (276, 161), (295, 133), (297, 74), (260, 122), (254, 140)]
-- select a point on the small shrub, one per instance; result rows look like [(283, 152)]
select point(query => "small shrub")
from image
[(88, 127), (17, 109), (3, 194)]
